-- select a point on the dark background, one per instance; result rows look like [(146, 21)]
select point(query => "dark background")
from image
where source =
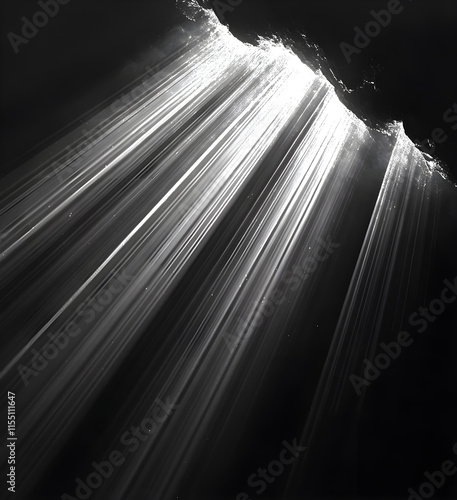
[(69, 66)]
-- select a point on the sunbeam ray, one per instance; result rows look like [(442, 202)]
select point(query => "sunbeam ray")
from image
[(166, 260)]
